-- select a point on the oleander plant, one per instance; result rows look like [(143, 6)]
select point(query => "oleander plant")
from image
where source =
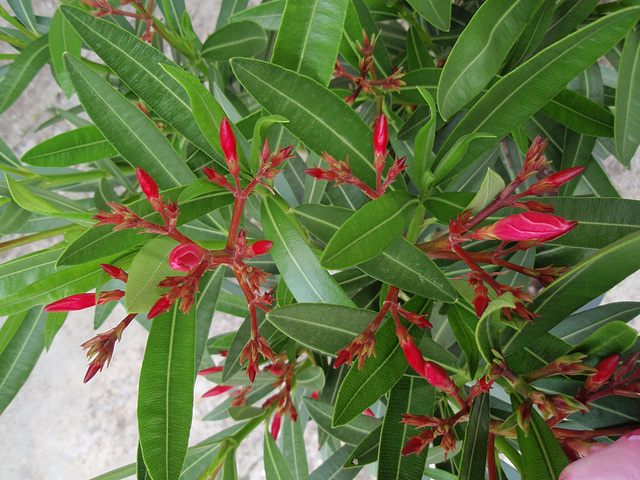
[(404, 200)]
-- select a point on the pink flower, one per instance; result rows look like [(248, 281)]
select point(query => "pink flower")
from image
[(618, 461), (185, 257), (526, 226)]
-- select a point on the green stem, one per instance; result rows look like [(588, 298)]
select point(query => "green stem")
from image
[(38, 236), (415, 227), (510, 452), (12, 41)]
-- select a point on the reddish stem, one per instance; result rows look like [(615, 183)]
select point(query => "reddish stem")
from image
[(491, 458)]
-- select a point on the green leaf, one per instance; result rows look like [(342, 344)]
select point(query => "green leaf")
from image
[(309, 37), (455, 155), (525, 90), (480, 51), (567, 16), (476, 438), (325, 328), (55, 320), (21, 354), (436, 12), (24, 11), (352, 433), (205, 306), (22, 70), (362, 388), (149, 267), (579, 326), (580, 114), (366, 452), (131, 132), (369, 231), (311, 378), (104, 241), (138, 64), (531, 35), (17, 274), (332, 466), (62, 283), (542, 455), (614, 337), (492, 185), (296, 262), (587, 280), (320, 124), (601, 221), (63, 39), (417, 52), (238, 39), (627, 107), (165, 399), (293, 446), (82, 145), (275, 467), (267, 15), (463, 323), (410, 395)]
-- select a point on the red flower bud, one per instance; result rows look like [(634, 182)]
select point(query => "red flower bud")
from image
[(321, 174), (380, 136), (161, 306), (413, 356), (115, 272), (261, 247), (604, 370), (415, 445), (369, 413), (275, 426), (185, 257), (438, 377), (82, 301), (553, 182), (228, 144), (526, 226), (149, 187), (217, 390), (207, 371), (315, 394)]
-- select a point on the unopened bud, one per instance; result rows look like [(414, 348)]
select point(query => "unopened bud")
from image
[(217, 390), (438, 377), (81, 301), (228, 144), (526, 226), (115, 272), (413, 356), (148, 185), (275, 426), (321, 174), (261, 247), (161, 306), (604, 371), (553, 182), (380, 137)]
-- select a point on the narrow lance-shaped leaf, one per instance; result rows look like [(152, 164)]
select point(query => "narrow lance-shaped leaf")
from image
[(369, 231), (309, 37), (22, 71), (480, 51), (627, 117), (81, 145), (165, 400), (21, 354), (63, 39), (275, 466), (24, 11), (474, 450), (522, 92), (436, 12), (138, 65), (586, 281), (239, 39), (297, 264), (322, 124), (131, 132)]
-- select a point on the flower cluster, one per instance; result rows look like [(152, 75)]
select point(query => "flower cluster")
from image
[(189, 257)]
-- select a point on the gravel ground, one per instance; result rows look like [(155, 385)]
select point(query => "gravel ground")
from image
[(59, 428)]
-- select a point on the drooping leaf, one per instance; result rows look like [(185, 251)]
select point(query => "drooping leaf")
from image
[(474, 450), (165, 399)]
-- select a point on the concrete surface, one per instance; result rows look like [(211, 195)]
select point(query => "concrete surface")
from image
[(60, 429)]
